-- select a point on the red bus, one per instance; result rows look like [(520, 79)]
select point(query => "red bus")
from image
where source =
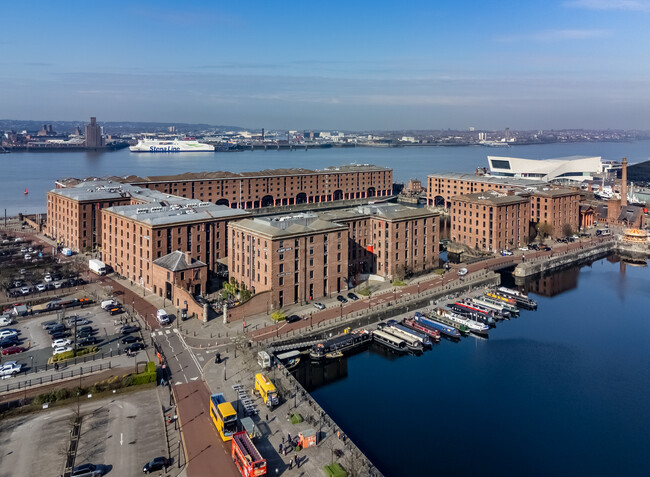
[(246, 456)]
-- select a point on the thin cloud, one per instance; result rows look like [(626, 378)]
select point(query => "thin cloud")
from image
[(555, 35), (625, 5)]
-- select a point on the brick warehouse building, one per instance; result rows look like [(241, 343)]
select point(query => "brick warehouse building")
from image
[(389, 240), (441, 187), (251, 190), (308, 256), (297, 258), (558, 207), (133, 236), (74, 207), (491, 220)]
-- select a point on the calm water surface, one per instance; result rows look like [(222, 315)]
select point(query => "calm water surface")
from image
[(38, 171), (558, 391)]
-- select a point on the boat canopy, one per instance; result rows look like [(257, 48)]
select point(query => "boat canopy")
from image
[(287, 355)]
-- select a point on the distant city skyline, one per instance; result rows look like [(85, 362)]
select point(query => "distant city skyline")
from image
[(380, 65)]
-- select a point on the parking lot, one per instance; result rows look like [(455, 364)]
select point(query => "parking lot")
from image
[(120, 433), (37, 340)]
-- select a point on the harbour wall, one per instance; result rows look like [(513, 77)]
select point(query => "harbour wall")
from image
[(589, 252), (563, 259)]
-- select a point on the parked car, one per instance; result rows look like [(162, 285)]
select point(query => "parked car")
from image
[(128, 339), (125, 330), (292, 318), (86, 470), (462, 272), (134, 347), (352, 296), (61, 349), (48, 278), (159, 463), (9, 341), (87, 341), (506, 252), (41, 288), (108, 304), (49, 324), (78, 320), (116, 311), (6, 320), (59, 335), (25, 290), (13, 350), (84, 334), (56, 328), (86, 329), (10, 368), (525, 249), (319, 305), (342, 299), (8, 332), (61, 342)]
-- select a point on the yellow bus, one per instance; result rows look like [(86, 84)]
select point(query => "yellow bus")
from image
[(266, 389), (223, 416)]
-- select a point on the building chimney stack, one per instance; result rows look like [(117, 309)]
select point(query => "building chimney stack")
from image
[(624, 183)]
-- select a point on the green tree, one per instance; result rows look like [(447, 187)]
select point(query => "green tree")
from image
[(544, 229), (567, 230)]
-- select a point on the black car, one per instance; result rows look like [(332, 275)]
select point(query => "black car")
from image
[(116, 311), (131, 339), (342, 299), (159, 463), (125, 330), (86, 329), (84, 334), (87, 341), (292, 318), (59, 334), (352, 296), (134, 347), (56, 329), (9, 341)]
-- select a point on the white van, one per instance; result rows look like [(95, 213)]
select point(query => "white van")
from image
[(162, 317), (108, 304)]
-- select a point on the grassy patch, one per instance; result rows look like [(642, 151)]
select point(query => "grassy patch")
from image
[(439, 271), (399, 283), (364, 292), (334, 470), (296, 418)]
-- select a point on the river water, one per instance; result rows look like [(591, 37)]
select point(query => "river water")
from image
[(558, 391), (37, 171)]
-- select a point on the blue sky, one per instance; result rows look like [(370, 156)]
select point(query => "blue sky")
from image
[(330, 65)]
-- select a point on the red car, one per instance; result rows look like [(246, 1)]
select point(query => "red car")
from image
[(13, 350)]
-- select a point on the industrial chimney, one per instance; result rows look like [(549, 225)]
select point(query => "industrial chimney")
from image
[(624, 183)]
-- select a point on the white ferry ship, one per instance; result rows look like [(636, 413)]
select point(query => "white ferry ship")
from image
[(175, 145)]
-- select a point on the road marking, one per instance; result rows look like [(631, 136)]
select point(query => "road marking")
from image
[(194, 379), (177, 383), (159, 333), (175, 330), (121, 438), (201, 358), (166, 332)]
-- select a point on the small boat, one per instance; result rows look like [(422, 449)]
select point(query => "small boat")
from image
[(446, 330), (464, 323), (497, 304), (344, 343), (521, 298), (412, 342), (334, 355), (292, 363), (408, 332), (390, 341), (26, 192), (475, 315), (434, 335)]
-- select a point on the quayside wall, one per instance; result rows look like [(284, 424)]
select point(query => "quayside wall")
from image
[(563, 259)]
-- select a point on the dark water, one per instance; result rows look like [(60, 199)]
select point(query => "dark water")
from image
[(558, 391), (37, 171)]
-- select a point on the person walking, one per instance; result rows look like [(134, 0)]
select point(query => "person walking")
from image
[(290, 464)]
